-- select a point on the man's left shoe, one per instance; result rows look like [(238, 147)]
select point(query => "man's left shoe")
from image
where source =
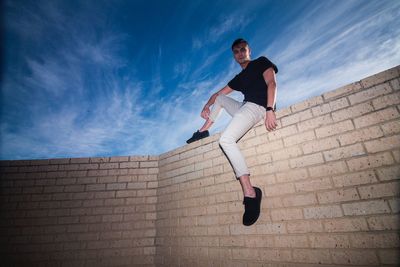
[(197, 136), (252, 208)]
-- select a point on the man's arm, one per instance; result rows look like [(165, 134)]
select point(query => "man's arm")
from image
[(206, 110), (270, 80)]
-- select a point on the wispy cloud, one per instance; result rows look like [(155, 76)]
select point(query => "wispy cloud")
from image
[(226, 24), (316, 59)]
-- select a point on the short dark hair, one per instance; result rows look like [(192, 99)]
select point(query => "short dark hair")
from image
[(239, 41)]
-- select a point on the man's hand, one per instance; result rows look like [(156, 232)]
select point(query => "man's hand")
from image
[(205, 113), (270, 121)]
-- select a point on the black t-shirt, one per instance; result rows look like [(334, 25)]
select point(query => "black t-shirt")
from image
[(251, 83)]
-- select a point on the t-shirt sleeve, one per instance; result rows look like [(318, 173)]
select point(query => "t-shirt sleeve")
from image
[(265, 64), (235, 83)]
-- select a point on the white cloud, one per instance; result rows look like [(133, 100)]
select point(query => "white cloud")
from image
[(355, 46)]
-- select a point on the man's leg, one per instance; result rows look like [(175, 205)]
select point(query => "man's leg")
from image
[(222, 101), (247, 116)]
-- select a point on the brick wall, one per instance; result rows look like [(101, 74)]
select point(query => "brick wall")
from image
[(79, 212), (330, 177)]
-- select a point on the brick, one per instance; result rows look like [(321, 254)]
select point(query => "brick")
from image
[(380, 77), (375, 240), (231, 241), (244, 254), (299, 138), (292, 175), (329, 241), (134, 158), (366, 207), (331, 168), (371, 93), (307, 104), (345, 90), (372, 161), (323, 212), (258, 242), (354, 257), (383, 144), (282, 132), (283, 112), (74, 188), (315, 123), (149, 164), (382, 223), (108, 166), (95, 187), (387, 100), (274, 167), (376, 117), (99, 160), (380, 190), (388, 173), (321, 110), (79, 160), (291, 241), (97, 173), (320, 256), (299, 200), (392, 127), (308, 160), (280, 189), (137, 185), (344, 152), (286, 214), (346, 225), (115, 172), (132, 164), (320, 145), (286, 153), (358, 178), (270, 228), (112, 218), (334, 129), (296, 117), (352, 112), (308, 226), (341, 195), (107, 179), (395, 83), (313, 185), (339, 104), (360, 135)]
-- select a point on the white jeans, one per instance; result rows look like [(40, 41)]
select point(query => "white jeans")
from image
[(244, 116)]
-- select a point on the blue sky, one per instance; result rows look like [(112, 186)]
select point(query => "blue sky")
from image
[(115, 78)]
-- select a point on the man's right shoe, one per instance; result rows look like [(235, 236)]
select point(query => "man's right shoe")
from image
[(252, 208), (197, 136)]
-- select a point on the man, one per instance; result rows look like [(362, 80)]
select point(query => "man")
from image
[(257, 82)]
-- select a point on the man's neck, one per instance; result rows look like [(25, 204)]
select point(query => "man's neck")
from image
[(244, 65)]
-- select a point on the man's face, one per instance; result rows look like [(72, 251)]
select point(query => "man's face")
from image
[(241, 53)]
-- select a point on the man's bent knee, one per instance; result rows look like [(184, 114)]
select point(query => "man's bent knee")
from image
[(226, 140)]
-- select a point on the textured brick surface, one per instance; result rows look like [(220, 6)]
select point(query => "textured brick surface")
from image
[(79, 212), (329, 175)]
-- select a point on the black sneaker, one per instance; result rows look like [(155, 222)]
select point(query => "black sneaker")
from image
[(252, 208), (197, 136)]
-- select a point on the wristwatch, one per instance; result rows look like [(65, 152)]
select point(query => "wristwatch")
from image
[(269, 108)]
